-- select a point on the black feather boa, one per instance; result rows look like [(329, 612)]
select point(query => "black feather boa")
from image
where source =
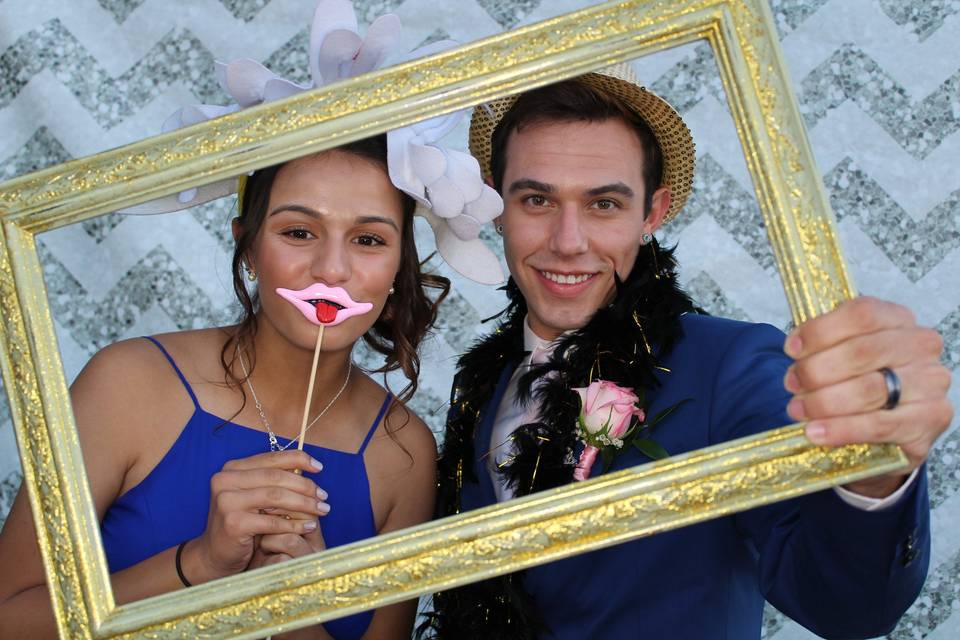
[(619, 344)]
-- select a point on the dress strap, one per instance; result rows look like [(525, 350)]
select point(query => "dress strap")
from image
[(183, 379), (383, 410)]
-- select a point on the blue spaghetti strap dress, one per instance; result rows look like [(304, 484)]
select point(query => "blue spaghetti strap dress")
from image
[(170, 505)]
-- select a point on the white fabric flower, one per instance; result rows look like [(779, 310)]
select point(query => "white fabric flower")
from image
[(446, 183)]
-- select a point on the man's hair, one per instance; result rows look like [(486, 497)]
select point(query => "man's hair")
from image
[(573, 101)]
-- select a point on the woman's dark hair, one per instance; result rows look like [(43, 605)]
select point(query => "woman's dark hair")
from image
[(409, 312), (573, 101)]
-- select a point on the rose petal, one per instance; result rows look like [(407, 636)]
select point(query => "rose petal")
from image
[(582, 392), (593, 392)]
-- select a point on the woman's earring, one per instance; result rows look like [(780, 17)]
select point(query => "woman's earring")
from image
[(646, 238), (499, 229), (391, 291), (251, 274)]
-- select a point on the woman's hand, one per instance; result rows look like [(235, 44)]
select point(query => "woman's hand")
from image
[(280, 547), (251, 497)]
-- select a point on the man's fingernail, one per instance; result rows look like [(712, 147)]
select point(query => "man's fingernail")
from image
[(323, 507), (816, 432), (790, 382), (316, 464), (793, 346), (310, 525), (796, 409), (321, 493)]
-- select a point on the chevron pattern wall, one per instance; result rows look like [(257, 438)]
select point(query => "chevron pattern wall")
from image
[(879, 86)]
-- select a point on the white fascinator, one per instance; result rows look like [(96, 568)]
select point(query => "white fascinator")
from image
[(450, 192)]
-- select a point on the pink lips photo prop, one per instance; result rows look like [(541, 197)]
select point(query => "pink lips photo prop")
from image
[(324, 305)]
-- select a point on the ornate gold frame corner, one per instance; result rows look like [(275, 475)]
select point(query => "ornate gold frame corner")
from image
[(610, 509)]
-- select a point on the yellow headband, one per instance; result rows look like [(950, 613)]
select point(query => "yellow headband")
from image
[(241, 187)]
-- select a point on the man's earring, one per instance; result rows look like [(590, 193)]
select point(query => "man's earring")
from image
[(646, 238), (499, 229)]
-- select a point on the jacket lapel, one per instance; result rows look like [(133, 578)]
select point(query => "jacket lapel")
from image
[(483, 433)]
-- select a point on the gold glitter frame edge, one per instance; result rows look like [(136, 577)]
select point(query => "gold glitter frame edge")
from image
[(610, 509)]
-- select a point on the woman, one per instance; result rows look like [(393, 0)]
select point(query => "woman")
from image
[(177, 429)]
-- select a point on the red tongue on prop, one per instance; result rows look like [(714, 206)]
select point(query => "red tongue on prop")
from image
[(326, 312)]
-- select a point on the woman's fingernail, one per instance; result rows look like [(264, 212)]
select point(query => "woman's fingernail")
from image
[(796, 409), (310, 525), (316, 464), (793, 346), (790, 382), (323, 507), (816, 432), (321, 493)]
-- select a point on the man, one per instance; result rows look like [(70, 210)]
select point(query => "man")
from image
[(589, 169)]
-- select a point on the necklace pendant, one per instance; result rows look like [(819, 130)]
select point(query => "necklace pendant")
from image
[(274, 444)]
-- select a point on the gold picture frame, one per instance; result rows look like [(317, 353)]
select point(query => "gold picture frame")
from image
[(442, 554)]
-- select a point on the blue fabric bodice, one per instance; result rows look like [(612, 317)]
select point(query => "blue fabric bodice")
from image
[(170, 505)]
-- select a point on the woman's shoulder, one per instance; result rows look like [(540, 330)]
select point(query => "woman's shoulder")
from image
[(401, 437), (147, 359), (411, 430)]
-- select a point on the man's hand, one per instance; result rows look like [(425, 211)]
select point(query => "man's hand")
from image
[(840, 390)]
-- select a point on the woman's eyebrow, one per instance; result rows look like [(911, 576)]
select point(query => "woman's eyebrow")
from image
[(299, 208), (369, 219), (313, 213)]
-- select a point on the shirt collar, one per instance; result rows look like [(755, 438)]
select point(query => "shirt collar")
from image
[(532, 343)]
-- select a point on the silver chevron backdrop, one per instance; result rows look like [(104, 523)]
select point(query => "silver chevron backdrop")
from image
[(879, 86)]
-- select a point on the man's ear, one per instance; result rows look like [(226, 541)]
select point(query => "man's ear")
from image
[(489, 181), (659, 205)]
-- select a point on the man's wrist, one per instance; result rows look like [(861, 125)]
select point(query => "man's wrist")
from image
[(879, 488), (869, 503)]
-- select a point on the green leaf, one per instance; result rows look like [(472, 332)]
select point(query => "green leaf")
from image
[(650, 448), (664, 413)]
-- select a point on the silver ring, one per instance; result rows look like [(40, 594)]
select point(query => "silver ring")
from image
[(892, 381)]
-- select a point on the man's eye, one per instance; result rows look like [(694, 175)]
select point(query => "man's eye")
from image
[(297, 234), (606, 205), (536, 201)]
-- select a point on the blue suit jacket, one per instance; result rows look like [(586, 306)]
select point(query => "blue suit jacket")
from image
[(839, 571)]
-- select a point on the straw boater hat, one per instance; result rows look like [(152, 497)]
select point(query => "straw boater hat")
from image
[(619, 81)]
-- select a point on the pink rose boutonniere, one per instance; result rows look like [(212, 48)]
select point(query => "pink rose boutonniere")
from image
[(606, 423)]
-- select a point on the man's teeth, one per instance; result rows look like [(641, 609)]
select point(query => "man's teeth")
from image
[(569, 278)]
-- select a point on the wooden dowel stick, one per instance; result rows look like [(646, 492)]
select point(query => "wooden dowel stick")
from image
[(313, 377)]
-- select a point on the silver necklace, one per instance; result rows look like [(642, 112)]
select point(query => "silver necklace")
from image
[(274, 443)]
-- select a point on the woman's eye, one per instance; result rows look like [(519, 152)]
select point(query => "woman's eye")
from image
[(370, 240)]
